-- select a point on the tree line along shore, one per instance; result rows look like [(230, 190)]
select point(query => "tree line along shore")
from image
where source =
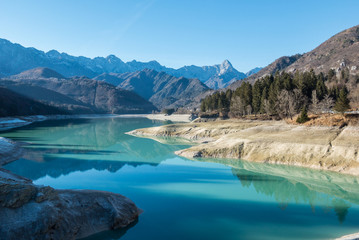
[(283, 95)]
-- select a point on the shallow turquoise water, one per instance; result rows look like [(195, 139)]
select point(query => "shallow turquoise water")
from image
[(183, 199)]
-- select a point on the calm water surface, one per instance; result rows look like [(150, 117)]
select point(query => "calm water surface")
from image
[(183, 199)]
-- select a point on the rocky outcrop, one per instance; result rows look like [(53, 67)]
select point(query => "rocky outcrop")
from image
[(9, 151), (329, 148), (28, 211)]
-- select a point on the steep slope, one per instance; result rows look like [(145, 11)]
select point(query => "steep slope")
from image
[(111, 78), (161, 89), (101, 96), (338, 52), (79, 95), (48, 97), (278, 65), (14, 104)]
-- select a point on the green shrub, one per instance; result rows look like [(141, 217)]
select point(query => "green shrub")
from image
[(303, 116)]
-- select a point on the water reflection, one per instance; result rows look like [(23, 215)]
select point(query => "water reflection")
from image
[(288, 184), (56, 148), (207, 199), (111, 235)]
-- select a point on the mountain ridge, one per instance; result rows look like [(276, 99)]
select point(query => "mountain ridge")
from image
[(160, 88), (76, 95), (339, 52), (14, 59)]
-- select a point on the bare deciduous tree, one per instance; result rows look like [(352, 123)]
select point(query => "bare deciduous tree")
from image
[(267, 108), (249, 109), (315, 106), (237, 106), (286, 104), (326, 104), (299, 99)]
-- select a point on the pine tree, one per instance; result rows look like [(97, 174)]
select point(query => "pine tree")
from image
[(264, 97), (303, 116), (203, 106), (256, 97), (342, 103), (320, 88), (272, 98)]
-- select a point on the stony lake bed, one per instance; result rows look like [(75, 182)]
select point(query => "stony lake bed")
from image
[(205, 198)]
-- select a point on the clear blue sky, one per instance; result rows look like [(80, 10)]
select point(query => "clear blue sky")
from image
[(177, 32)]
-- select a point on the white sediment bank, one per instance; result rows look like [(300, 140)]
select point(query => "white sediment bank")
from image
[(161, 117), (326, 148), (7, 123), (354, 236)]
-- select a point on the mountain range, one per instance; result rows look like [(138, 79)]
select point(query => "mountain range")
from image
[(74, 95), (15, 59), (160, 88), (140, 87)]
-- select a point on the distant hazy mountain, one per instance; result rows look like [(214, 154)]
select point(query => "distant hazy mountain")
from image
[(217, 76), (76, 95), (15, 58), (253, 71), (160, 88)]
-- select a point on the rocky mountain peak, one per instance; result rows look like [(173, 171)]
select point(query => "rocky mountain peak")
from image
[(112, 59), (53, 54), (225, 67)]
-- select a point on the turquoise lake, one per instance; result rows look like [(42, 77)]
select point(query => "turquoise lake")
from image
[(181, 198)]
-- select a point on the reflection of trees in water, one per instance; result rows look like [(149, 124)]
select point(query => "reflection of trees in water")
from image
[(331, 191), (284, 191), (60, 147), (341, 209)]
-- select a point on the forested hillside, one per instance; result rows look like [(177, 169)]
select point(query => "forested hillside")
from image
[(286, 94)]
